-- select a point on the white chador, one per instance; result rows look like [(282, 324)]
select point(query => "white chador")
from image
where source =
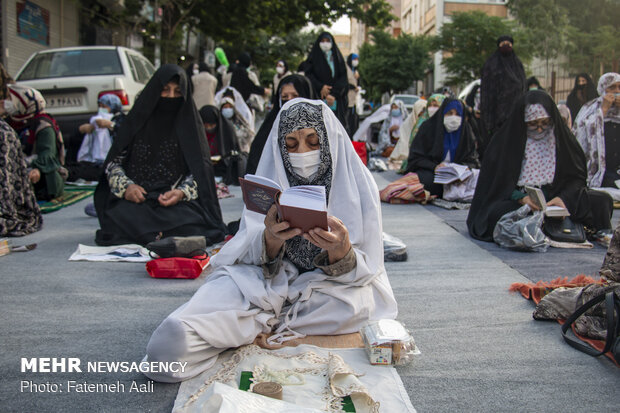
[(238, 301)]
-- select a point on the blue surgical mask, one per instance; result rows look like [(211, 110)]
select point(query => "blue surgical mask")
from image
[(228, 113), (103, 111), (396, 113)]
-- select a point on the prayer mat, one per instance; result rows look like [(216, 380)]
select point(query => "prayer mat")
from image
[(442, 203), (536, 291), (69, 197), (80, 184), (322, 377)]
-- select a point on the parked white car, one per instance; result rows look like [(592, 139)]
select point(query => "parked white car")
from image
[(408, 100), (72, 79)]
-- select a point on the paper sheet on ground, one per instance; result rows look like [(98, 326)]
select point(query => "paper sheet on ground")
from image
[(382, 382), (125, 253)]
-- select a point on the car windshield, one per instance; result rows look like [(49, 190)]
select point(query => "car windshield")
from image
[(408, 100), (72, 63)]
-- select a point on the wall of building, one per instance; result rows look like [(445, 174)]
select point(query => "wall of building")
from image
[(344, 43), (488, 9), (63, 31)]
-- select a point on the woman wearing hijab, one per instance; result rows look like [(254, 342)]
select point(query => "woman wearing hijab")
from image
[(502, 83), (19, 211), (432, 105), (243, 130), (389, 134), (353, 77), (327, 71), (281, 72), (583, 92), (290, 87), (41, 138), (223, 142), (532, 83), (536, 148), (444, 138), (271, 278), (401, 150), (597, 129), (159, 178), (99, 133)]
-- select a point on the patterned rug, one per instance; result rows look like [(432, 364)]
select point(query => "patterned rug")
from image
[(69, 197)]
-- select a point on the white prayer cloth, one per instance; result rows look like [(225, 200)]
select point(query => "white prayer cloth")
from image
[(363, 132), (96, 144), (236, 303), (370, 387), (125, 253)]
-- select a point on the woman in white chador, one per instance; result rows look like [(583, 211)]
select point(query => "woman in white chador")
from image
[(270, 278)]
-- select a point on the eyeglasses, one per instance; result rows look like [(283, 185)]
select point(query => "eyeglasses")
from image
[(539, 124)]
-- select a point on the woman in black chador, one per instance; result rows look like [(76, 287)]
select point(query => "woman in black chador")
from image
[(502, 83), (534, 147), (445, 137), (583, 92), (158, 174), (327, 70), (290, 87)]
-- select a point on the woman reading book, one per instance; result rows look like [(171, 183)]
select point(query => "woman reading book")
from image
[(446, 137), (270, 278), (535, 148)]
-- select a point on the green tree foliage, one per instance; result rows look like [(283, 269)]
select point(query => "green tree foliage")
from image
[(393, 64), (585, 32), (545, 24), (293, 48), (468, 41)]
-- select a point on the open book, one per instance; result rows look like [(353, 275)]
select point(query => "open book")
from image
[(537, 196), (451, 172), (303, 206)]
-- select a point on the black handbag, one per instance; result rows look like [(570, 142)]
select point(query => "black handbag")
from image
[(612, 315), (564, 230), (185, 247), (235, 167)]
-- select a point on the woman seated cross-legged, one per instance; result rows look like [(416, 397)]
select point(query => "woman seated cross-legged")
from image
[(271, 278), (160, 179), (445, 137), (534, 147)]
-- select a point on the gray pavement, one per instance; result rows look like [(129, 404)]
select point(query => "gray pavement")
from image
[(481, 349)]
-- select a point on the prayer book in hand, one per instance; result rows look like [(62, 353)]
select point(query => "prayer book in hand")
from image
[(537, 196), (302, 206), (451, 172)]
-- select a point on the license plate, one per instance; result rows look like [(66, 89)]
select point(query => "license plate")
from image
[(64, 101)]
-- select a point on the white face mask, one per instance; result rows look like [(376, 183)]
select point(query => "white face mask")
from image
[(305, 164), (355, 62), (280, 70), (9, 107), (196, 71), (103, 111), (325, 46), (228, 112), (432, 110), (452, 122)]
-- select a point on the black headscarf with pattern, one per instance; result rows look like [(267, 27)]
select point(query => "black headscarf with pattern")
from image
[(301, 116)]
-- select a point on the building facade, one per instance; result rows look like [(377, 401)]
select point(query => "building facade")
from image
[(428, 16), (28, 26)]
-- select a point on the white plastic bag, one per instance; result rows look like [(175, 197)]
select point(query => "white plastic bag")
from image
[(518, 230)]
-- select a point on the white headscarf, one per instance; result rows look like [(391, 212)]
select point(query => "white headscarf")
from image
[(589, 129), (401, 150), (353, 198), (384, 132), (240, 106)]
